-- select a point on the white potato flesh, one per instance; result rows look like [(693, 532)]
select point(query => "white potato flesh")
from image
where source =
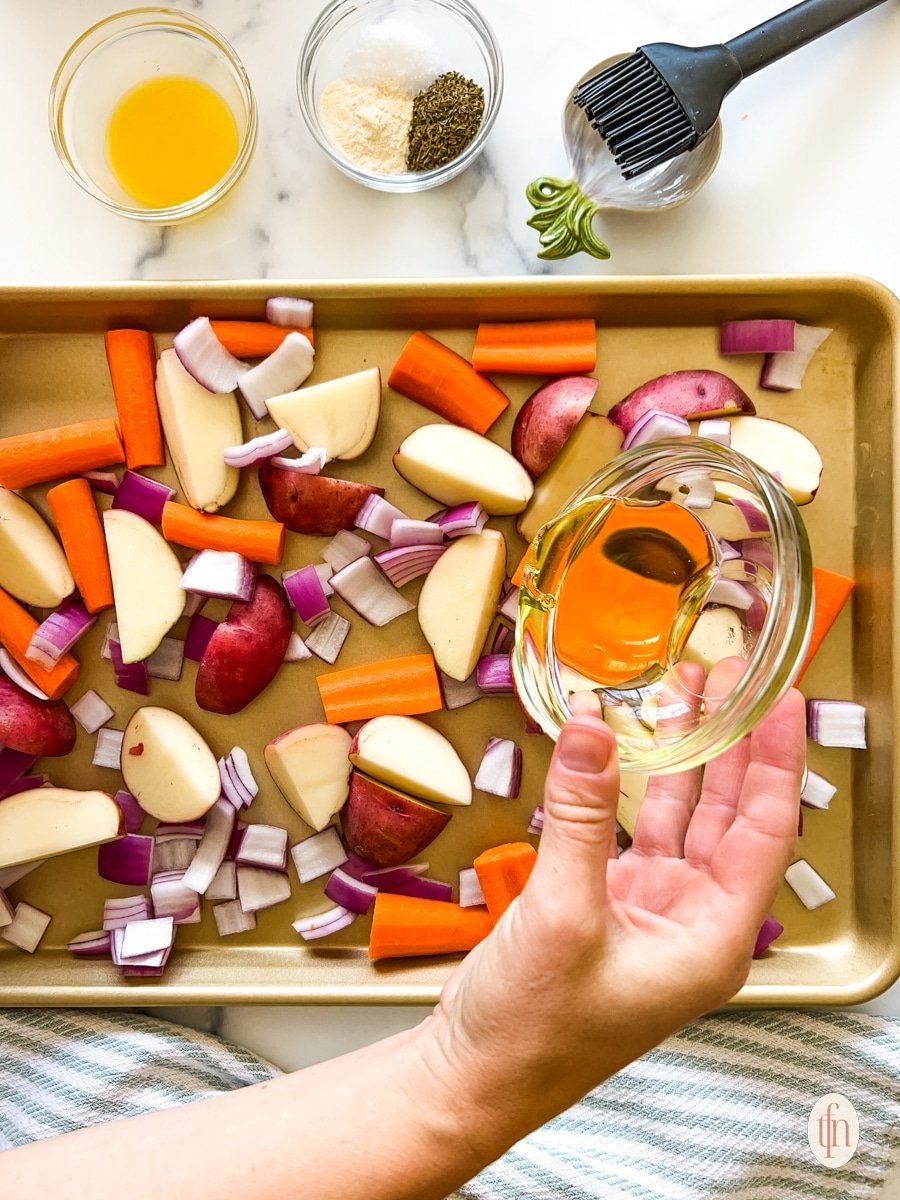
[(48, 821), (340, 415), (33, 567), (454, 465), (146, 579), (312, 770), (408, 754), (717, 634), (199, 426), (168, 767), (782, 451), (728, 522)]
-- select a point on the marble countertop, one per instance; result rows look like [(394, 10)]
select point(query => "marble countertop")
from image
[(808, 182)]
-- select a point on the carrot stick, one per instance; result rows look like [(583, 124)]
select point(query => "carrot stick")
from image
[(832, 591), (253, 339), (407, 925), (438, 378), (16, 631), (503, 872), (75, 514), (260, 541), (28, 458), (132, 368), (394, 686), (536, 347)]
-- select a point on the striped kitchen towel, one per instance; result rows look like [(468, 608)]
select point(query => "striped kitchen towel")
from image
[(718, 1112)]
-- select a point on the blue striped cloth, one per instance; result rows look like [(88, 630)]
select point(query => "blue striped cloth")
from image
[(718, 1112)]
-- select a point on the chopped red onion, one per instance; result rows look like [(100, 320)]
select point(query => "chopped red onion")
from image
[(59, 633), (94, 944), (532, 726), (205, 358), (224, 574), (500, 773), (224, 883), (323, 924), (108, 749), (173, 854), (358, 867), (13, 765), (238, 784), (126, 860), (199, 632), (317, 855), (502, 641), (536, 824), (350, 893), (11, 668), (811, 889), (344, 548), (701, 490), (264, 846), (728, 552), (167, 660), (457, 694), (132, 813), (836, 723), (493, 674), (231, 918), (324, 572), (766, 336), (259, 888), (509, 604), (758, 551), (715, 429), (173, 898), (7, 909), (730, 592), (169, 831), (11, 875), (27, 783), (306, 594), (112, 633), (144, 497), (406, 532), (817, 791), (377, 516), (140, 938), (297, 650), (130, 970), (383, 878), (311, 462), (756, 520), (211, 848), (768, 932), (26, 928), (461, 519), (281, 371), (653, 425), (402, 564), (470, 893), (328, 637), (408, 881), (139, 964), (234, 844), (258, 449), (290, 311), (117, 912), (784, 370), (364, 588), (102, 481), (192, 605), (131, 677)]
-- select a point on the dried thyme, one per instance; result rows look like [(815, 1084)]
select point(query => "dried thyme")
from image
[(446, 116)]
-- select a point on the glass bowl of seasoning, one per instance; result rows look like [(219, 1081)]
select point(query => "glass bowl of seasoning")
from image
[(151, 112), (660, 574), (401, 95)]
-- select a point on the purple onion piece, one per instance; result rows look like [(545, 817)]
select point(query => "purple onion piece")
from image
[(143, 496)]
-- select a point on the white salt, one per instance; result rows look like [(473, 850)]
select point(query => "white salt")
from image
[(393, 49)]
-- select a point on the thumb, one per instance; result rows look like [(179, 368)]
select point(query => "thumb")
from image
[(580, 800)]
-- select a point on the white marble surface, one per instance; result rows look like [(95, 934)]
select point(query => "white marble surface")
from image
[(808, 182)]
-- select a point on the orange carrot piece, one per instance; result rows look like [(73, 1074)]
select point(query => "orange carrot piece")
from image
[(16, 631), (81, 533), (437, 377), (832, 593), (253, 339), (503, 872), (403, 926), (28, 458), (536, 347), (393, 686), (131, 356), (260, 541)]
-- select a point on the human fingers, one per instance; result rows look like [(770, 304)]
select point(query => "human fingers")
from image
[(670, 799)]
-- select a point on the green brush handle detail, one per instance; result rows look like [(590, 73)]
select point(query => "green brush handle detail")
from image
[(564, 218)]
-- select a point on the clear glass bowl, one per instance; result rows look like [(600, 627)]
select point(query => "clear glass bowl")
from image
[(667, 714), (466, 44), (112, 57)]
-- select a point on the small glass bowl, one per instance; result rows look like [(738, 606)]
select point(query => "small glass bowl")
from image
[(465, 41), (112, 57), (761, 572)]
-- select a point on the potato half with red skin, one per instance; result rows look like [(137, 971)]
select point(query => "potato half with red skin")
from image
[(546, 419), (385, 826), (44, 728), (687, 394), (314, 504), (244, 653)]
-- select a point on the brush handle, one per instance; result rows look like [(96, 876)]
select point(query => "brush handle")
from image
[(790, 30)]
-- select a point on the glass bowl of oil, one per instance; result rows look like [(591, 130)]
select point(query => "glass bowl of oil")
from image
[(676, 585), (152, 113)]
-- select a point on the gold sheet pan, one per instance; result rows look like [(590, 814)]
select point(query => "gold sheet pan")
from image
[(53, 371)]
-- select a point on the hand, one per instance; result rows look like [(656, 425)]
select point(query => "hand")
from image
[(603, 957)]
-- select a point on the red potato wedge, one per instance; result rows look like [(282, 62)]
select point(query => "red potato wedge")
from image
[(314, 504), (168, 767), (687, 394), (44, 728), (387, 827), (311, 768), (48, 821), (546, 420)]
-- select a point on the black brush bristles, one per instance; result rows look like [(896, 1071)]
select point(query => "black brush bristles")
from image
[(638, 115)]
